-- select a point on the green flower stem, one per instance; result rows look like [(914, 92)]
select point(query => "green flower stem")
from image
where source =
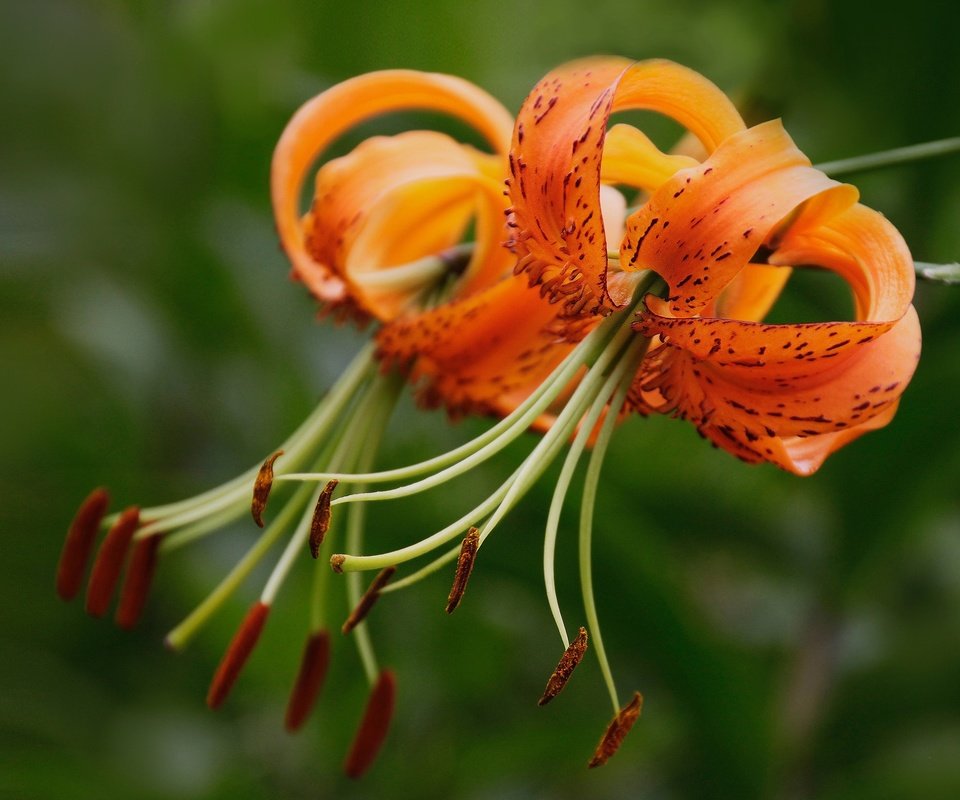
[(888, 158), (632, 360), (415, 577), (415, 274), (948, 274)]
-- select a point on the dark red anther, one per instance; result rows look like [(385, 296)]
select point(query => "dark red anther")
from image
[(78, 545), (320, 523), (571, 657), (373, 727), (261, 488), (241, 646), (468, 554), (617, 730), (137, 580), (368, 600), (313, 670), (109, 562)]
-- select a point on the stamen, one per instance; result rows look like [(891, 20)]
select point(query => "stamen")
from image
[(321, 518), (468, 554), (618, 728), (110, 557), (368, 600), (241, 646), (79, 543), (373, 726), (313, 669), (571, 657), (136, 581), (261, 488)]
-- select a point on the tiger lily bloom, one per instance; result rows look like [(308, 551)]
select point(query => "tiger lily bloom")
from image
[(560, 332)]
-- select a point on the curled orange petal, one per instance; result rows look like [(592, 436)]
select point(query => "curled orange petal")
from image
[(328, 115)]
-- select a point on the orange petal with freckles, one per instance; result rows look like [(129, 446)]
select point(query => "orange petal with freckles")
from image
[(393, 201), (752, 293), (482, 354), (557, 155), (792, 394), (328, 115), (703, 225)]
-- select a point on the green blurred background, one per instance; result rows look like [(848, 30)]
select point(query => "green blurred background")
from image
[(794, 638)]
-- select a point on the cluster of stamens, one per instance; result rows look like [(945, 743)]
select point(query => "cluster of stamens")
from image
[(338, 443)]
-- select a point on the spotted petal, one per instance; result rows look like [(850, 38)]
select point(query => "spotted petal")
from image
[(792, 394), (557, 155)]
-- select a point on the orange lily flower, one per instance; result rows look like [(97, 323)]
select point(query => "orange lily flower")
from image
[(543, 334), (789, 394)]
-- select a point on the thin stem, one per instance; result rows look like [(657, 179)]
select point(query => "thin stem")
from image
[(948, 274), (424, 572), (887, 158), (633, 358)]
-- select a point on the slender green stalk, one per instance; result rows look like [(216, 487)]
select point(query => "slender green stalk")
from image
[(888, 158), (938, 273)]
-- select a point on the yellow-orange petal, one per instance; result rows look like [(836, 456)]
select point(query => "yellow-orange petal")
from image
[(328, 115), (630, 158), (703, 225), (556, 159)]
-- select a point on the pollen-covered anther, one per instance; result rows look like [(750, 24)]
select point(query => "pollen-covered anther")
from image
[(618, 728), (78, 545), (109, 562), (368, 600), (261, 488), (571, 657), (137, 580), (320, 523), (373, 727), (313, 670), (468, 554), (241, 646)]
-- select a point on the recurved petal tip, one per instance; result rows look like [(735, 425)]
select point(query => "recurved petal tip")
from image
[(373, 727), (618, 728), (313, 670), (79, 543), (241, 646), (109, 562)]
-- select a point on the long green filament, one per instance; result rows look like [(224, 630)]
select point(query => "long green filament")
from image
[(370, 443), (234, 495), (560, 492), (591, 480), (516, 422)]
